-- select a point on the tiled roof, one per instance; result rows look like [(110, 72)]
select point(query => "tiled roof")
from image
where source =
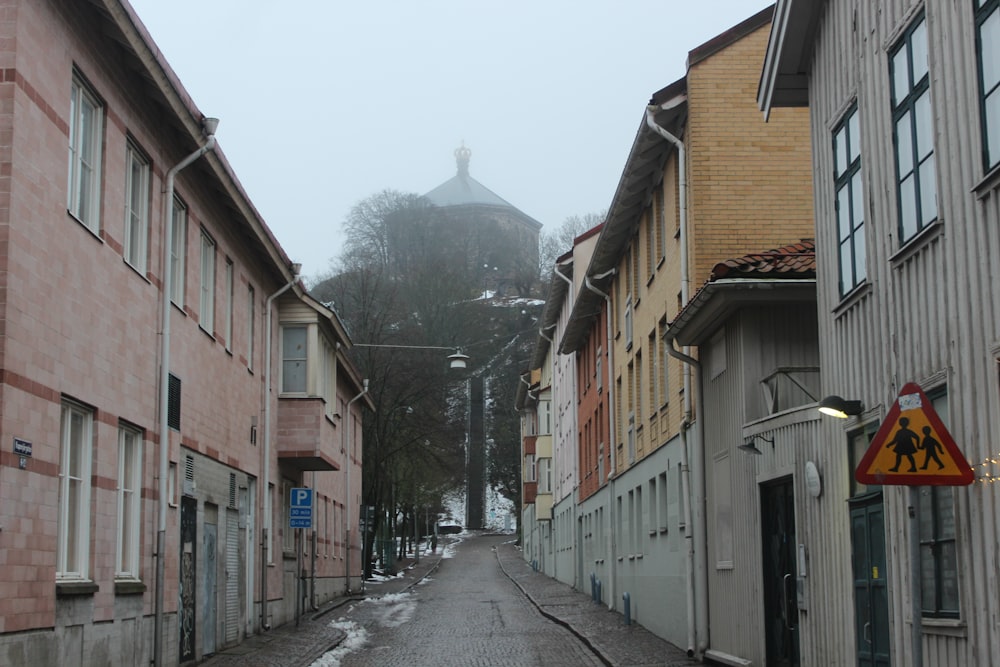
[(797, 260)]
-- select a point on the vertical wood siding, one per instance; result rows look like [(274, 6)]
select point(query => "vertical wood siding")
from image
[(930, 315)]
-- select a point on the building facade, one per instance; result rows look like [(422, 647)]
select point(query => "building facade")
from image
[(905, 161), (157, 399)]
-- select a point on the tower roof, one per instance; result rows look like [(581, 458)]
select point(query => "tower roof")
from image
[(463, 189)]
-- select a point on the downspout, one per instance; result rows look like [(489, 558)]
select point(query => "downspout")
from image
[(577, 576), (695, 532), (266, 467), (208, 126), (613, 546), (347, 454)]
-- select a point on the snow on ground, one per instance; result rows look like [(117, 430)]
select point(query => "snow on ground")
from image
[(390, 611)]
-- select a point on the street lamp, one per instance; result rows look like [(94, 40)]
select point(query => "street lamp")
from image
[(456, 360)]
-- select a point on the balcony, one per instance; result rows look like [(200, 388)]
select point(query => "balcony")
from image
[(307, 439)]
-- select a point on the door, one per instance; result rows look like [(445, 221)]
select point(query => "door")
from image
[(781, 612), (188, 577), (209, 619), (871, 595)]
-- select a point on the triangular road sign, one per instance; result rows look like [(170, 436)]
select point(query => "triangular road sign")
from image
[(913, 447)]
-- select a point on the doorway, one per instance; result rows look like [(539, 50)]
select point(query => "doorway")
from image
[(871, 594), (781, 612)]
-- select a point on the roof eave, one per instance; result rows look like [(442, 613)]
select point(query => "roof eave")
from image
[(718, 300), (784, 79)]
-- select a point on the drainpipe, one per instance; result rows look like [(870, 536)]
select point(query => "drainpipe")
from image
[(349, 449), (208, 127), (577, 576), (695, 532), (613, 546), (266, 467)]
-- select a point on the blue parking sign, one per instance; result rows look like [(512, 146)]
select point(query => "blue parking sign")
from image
[(300, 508)]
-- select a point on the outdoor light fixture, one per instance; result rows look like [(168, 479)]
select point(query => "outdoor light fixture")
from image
[(835, 406), (456, 360), (750, 448)]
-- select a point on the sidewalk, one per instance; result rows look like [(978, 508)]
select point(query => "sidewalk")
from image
[(291, 646), (602, 630)]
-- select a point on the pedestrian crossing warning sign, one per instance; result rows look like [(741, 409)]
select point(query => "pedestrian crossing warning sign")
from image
[(913, 447)]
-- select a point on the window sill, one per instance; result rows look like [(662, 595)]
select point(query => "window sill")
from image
[(93, 232), (129, 587), (852, 299), (139, 272), (75, 588), (988, 185), (919, 241), (949, 627)]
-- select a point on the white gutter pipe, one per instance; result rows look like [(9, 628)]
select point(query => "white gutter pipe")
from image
[(695, 531), (208, 126), (266, 466), (613, 546), (349, 449)]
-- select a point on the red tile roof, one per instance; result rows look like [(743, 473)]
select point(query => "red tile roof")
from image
[(797, 260)]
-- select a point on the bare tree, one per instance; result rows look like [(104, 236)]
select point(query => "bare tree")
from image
[(560, 241)]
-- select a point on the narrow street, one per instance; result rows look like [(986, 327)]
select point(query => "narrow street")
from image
[(467, 613)]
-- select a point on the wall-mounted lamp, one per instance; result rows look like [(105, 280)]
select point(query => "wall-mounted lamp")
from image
[(750, 448), (835, 406)]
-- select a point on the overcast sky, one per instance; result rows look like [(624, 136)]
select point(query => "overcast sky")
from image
[(323, 103)]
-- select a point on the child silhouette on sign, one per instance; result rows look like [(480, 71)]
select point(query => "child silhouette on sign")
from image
[(931, 448), (906, 443)]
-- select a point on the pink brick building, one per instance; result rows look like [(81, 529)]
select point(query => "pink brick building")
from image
[(259, 396)]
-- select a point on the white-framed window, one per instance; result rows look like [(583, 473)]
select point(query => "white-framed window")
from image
[(545, 475), (913, 131), (178, 251), (939, 563), (229, 304), (136, 207), (529, 468), (628, 322), (294, 359), (988, 59), (86, 120), (251, 315), (206, 304), (631, 437), (129, 492), (75, 461), (849, 201)]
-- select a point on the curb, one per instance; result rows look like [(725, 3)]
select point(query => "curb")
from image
[(579, 635)]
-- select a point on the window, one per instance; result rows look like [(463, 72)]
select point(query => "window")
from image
[(229, 304), (206, 306), (988, 56), (85, 127), (251, 314), (136, 208), (545, 475), (129, 502), (661, 220), (938, 554), (849, 204), (913, 132), (628, 322), (178, 243), (293, 360), (638, 395), (663, 377), (529, 468), (75, 457)]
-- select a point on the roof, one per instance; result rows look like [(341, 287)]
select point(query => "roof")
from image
[(781, 275), (797, 260), (464, 190)]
